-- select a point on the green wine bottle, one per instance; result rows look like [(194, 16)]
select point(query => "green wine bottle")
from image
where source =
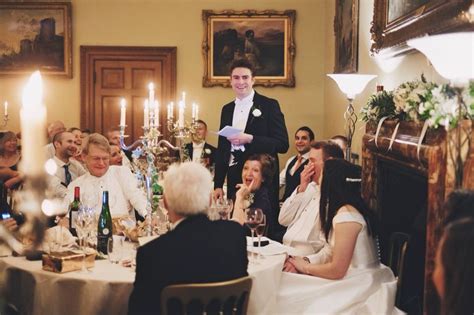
[(104, 230), (74, 209)]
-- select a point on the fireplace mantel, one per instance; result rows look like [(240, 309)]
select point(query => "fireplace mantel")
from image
[(430, 159)]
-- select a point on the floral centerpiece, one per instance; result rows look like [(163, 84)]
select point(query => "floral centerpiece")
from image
[(421, 101)]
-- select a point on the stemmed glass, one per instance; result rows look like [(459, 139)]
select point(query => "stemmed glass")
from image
[(253, 217), (83, 222), (224, 207), (260, 231)]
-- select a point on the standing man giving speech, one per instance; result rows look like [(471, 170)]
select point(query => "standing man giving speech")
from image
[(263, 131)]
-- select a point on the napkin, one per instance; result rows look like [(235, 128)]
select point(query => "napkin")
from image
[(58, 239), (274, 248)]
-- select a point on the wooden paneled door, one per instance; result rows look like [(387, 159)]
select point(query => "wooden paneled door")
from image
[(111, 73)]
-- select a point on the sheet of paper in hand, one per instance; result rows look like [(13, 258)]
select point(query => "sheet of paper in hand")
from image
[(228, 131)]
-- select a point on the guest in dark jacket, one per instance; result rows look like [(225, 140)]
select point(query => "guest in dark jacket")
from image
[(257, 176), (196, 250), (199, 150)]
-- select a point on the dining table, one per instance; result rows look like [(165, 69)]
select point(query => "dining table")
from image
[(106, 288)]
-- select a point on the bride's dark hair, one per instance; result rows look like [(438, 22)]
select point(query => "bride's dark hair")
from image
[(340, 186)]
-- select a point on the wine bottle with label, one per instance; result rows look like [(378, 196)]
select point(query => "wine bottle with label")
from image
[(104, 231), (74, 209)]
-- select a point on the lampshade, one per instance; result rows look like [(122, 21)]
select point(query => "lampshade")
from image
[(452, 55), (352, 84)]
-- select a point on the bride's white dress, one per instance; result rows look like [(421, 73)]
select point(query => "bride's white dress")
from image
[(369, 287)]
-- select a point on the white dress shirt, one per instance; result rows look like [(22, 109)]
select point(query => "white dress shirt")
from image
[(76, 170), (124, 194), (197, 151), (300, 213), (304, 157)]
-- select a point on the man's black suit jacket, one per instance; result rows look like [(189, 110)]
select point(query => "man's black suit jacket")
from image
[(269, 136), (211, 156), (196, 251)]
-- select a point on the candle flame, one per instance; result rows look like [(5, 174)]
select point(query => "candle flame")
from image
[(151, 86), (33, 91), (123, 103)]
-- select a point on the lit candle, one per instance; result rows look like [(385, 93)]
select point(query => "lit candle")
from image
[(183, 98), (171, 111), (181, 114), (146, 115), (157, 114), (193, 111), (196, 115), (123, 105), (151, 94), (33, 125), (6, 108)]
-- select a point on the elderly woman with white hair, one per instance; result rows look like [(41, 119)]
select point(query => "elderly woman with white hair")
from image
[(196, 250)]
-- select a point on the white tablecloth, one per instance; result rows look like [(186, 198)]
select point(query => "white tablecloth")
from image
[(107, 288)]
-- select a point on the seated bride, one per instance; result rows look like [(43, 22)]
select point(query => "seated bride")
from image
[(353, 280)]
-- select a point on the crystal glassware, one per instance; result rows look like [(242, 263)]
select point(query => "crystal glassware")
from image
[(253, 217)]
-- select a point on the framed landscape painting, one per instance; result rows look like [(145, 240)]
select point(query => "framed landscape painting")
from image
[(396, 21), (35, 36), (346, 31), (264, 38)]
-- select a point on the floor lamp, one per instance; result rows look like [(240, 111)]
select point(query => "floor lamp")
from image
[(452, 56), (351, 85)]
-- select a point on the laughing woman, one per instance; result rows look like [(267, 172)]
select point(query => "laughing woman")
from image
[(353, 281), (253, 192)]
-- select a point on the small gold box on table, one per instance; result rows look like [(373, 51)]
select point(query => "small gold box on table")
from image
[(67, 261)]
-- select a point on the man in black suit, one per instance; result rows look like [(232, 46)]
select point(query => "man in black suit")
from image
[(196, 250), (199, 150), (263, 131)]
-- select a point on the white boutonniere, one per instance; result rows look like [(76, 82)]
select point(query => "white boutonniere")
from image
[(207, 151), (256, 112)]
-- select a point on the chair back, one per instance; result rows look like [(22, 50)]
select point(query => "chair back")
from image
[(227, 297), (398, 248)]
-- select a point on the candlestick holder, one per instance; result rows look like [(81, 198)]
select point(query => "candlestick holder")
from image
[(152, 149), (180, 132), (5, 120)]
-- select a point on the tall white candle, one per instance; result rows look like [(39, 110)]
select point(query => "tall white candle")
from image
[(193, 111), (171, 110), (181, 114), (196, 115), (157, 113), (123, 105), (151, 94), (6, 108), (146, 115), (33, 126)]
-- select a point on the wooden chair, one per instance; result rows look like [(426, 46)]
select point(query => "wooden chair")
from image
[(398, 248), (227, 297)]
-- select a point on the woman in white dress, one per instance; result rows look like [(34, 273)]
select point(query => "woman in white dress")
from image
[(353, 281)]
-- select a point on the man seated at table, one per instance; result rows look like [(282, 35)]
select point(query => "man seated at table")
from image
[(199, 150), (300, 212), (196, 250), (68, 169), (124, 194)]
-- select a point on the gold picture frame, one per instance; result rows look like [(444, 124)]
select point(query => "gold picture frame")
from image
[(346, 31), (36, 36), (396, 21), (265, 38)]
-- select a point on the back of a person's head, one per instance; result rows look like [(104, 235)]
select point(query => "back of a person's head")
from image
[(187, 188), (459, 204), (95, 139), (457, 259), (330, 150)]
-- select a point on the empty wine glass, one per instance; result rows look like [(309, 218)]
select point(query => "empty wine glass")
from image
[(224, 207), (114, 248), (83, 223), (253, 217), (260, 231)]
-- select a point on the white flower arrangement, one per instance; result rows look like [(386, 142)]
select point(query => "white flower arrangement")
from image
[(409, 95), (207, 151), (256, 112)]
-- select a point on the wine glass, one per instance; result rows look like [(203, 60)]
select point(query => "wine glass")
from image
[(253, 217), (260, 231), (224, 207), (114, 248)]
